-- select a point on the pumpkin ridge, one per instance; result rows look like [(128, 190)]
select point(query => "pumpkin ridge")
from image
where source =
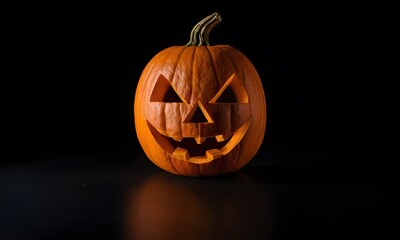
[(176, 62), (191, 72), (149, 72), (170, 51), (257, 84), (260, 95), (232, 60), (210, 52), (193, 57), (192, 68)]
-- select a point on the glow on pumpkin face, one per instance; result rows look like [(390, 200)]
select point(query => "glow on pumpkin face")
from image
[(206, 127)]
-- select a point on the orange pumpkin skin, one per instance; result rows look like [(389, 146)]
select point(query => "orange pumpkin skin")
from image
[(230, 130)]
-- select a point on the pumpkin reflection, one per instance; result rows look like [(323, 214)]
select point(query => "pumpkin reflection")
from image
[(170, 207)]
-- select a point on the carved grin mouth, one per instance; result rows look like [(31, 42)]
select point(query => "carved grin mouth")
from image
[(199, 150)]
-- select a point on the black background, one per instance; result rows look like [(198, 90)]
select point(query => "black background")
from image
[(69, 75), (71, 70)]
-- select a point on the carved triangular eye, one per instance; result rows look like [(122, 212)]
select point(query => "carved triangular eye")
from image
[(164, 92), (171, 96), (232, 91), (227, 96)]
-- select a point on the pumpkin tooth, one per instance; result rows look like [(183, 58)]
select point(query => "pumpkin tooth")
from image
[(181, 154), (213, 154), (177, 138), (200, 140), (221, 137)]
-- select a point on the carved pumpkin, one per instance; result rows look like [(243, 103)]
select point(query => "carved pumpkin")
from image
[(200, 110)]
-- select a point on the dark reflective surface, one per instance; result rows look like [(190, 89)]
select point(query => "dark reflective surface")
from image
[(124, 196), (170, 207)]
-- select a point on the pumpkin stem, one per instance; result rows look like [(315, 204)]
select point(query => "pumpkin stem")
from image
[(199, 35)]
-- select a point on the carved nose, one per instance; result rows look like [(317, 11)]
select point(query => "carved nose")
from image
[(198, 115)]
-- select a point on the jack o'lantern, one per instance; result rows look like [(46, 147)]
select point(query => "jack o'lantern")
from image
[(200, 110)]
